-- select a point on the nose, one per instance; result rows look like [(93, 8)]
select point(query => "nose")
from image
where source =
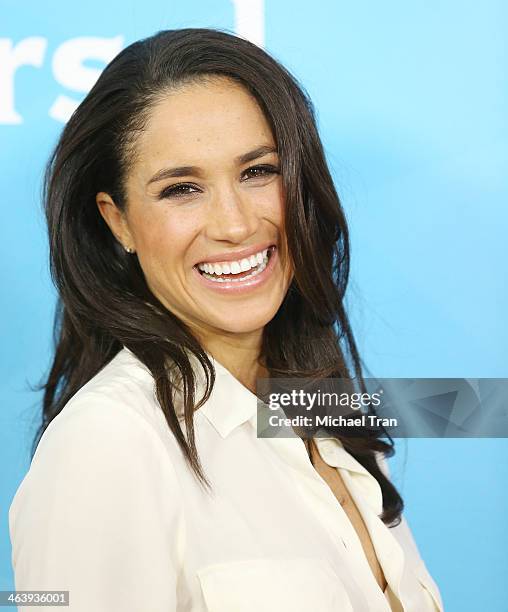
[(232, 216)]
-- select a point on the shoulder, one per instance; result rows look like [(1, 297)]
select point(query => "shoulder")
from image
[(116, 413), (108, 438), (124, 381), (117, 407), (101, 479)]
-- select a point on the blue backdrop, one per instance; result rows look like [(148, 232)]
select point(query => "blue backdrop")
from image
[(411, 99)]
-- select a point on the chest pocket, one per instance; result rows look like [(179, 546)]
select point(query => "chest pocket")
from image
[(278, 585)]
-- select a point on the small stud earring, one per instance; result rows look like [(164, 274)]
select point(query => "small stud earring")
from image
[(129, 250)]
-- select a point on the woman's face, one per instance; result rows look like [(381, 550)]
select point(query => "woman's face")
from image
[(205, 195)]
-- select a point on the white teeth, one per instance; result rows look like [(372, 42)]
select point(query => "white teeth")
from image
[(235, 267), (255, 272), (245, 265)]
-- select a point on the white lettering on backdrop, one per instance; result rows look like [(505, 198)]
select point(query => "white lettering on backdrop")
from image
[(68, 61)]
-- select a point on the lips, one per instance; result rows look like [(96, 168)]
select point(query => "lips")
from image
[(235, 255), (236, 269), (238, 287)]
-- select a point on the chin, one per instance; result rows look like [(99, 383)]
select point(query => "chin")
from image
[(242, 323)]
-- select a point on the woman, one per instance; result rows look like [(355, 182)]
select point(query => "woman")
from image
[(197, 243)]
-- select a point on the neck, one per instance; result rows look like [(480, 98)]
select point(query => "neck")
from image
[(240, 354)]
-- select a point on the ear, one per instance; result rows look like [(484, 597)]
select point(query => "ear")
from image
[(115, 219)]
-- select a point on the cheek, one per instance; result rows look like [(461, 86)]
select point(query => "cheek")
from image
[(269, 204), (164, 238)]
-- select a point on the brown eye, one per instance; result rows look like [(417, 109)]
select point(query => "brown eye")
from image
[(177, 191), (260, 171)]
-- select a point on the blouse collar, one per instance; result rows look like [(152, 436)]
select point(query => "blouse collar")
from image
[(231, 404)]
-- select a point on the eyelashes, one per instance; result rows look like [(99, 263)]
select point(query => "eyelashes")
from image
[(252, 174)]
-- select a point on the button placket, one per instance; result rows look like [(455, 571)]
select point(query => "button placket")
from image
[(334, 518), (320, 500)]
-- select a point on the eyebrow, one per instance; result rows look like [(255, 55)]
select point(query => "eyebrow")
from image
[(179, 171)]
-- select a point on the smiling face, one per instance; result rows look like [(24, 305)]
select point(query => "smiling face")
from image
[(205, 190)]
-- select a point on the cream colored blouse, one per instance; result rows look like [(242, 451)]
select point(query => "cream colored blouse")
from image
[(110, 511)]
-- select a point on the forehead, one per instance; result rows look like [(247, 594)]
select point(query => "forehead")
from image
[(202, 121)]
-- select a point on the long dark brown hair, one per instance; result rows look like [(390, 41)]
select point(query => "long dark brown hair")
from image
[(104, 302)]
